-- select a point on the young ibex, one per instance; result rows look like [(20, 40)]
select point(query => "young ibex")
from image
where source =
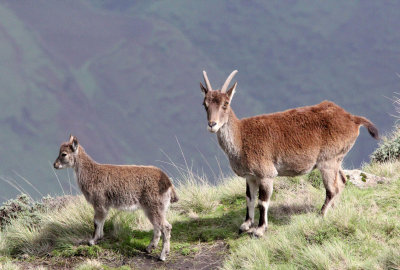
[(288, 143), (125, 187)]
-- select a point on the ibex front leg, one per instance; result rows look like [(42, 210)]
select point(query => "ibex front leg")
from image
[(265, 193), (251, 191), (100, 215)]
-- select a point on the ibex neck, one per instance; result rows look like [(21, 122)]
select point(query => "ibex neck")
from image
[(229, 136), (83, 164)]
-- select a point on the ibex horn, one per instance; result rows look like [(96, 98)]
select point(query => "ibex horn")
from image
[(228, 81), (208, 84)]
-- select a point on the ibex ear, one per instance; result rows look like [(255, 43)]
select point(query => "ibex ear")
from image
[(203, 89), (231, 91), (74, 143), (71, 138)]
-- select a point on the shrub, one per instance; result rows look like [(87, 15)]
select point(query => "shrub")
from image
[(389, 148), (24, 208), (15, 208)]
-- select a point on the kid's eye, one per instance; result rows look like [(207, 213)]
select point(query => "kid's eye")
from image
[(63, 154)]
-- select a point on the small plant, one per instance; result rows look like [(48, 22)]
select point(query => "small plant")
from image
[(363, 177)]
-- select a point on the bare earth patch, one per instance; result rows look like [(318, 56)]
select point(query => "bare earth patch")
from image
[(207, 257)]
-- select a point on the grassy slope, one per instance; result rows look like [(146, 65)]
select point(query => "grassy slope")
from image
[(362, 232)]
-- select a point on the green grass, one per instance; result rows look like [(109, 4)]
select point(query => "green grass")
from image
[(362, 232)]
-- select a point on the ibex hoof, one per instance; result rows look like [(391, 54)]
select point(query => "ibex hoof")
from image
[(245, 227), (258, 232), (162, 258), (149, 249)]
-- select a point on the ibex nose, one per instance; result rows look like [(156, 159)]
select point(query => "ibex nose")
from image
[(56, 165), (211, 124)]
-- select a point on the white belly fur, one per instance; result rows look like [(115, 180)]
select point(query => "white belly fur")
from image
[(131, 207)]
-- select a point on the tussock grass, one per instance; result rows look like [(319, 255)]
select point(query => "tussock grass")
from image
[(389, 169), (9, 266), (198, 196), (90, 265), (68, 225)]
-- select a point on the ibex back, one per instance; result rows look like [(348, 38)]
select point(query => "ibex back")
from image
[(288, 143)]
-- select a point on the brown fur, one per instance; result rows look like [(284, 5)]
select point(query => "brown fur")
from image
[(124, 187), (288, 143)]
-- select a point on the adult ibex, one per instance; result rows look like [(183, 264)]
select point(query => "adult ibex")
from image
[(288, 143), (125, 187)]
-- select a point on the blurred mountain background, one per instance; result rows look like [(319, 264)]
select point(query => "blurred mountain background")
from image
[(123, 76)]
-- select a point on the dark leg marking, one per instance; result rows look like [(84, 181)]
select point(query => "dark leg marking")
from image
[(343, 176), (95, 229), (262, 194), (247, 191), (262, 216), (248, 196)]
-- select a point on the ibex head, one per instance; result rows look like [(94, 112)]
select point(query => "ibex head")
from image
[(217, 102), (67, 155)]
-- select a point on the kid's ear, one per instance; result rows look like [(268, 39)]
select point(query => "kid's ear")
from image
[(203, 89), (71, 138), (74, 143), (231, 91)]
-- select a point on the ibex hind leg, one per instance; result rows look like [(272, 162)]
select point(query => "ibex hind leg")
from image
[(340, 183), (161, 226), (155, 219), (333, 182), (166, 228), (166, 235)]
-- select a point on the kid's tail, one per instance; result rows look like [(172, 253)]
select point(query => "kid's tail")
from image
[(174, 197), (373, 131)]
